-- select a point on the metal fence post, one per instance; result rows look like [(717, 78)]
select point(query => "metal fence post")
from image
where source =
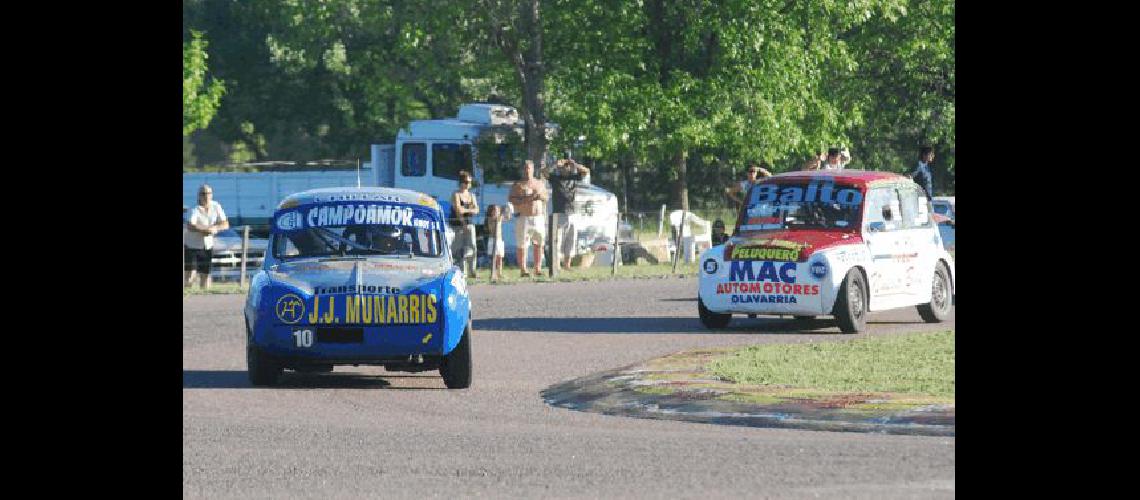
[(244, 252), (555, 246), (617, 248), (661, 222)]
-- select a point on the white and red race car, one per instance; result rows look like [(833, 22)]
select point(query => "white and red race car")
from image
[(839, 243)]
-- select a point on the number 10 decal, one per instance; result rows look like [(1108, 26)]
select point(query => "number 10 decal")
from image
[(304, 338)]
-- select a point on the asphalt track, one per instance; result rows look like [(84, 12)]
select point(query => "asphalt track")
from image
[(364, 432)]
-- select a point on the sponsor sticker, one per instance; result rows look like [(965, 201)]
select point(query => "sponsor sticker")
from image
[(750, 270), (367, 309), (710, 266), (819, 269), (822, 191), (768, 288), (290, 308), (289, 221), (758, 252), (369, 213)]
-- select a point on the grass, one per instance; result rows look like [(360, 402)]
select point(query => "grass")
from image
[(918, 364)]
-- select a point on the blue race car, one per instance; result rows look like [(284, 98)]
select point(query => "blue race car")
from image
[(358, 276)]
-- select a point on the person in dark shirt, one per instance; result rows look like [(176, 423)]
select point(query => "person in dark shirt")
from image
[(718, 234), (564, 179), (922, 174)]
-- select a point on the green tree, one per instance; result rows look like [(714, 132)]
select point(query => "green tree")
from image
[(516, 29), (326, 79), (200, 98), (697, 82), (905, 81)]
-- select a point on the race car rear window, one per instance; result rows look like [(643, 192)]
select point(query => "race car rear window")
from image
[(357, 240), (819, 204), (357, 228)]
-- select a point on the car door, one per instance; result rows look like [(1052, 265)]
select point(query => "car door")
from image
[(883, 234), (919, 243)]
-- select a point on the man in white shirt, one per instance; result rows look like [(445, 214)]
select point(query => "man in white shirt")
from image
[(205, 220), (832, 160)]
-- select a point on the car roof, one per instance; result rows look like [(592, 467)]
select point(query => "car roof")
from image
[(854, 177), (329, 195)]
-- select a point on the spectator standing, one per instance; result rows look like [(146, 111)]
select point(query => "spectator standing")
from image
[(844, 158), (762, 170), (832, 160), (528, 196), (739, 190), (464, 208), (718, 234), (812, 163), (564, 179), (205, 220), (922, 174), (495, 247)]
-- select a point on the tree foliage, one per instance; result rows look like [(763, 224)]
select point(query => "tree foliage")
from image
[(200, 98), (675, 94), (905, 81)]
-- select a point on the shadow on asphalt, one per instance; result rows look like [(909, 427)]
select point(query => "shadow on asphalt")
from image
[(652, 325), (693, 299), (229, 379)]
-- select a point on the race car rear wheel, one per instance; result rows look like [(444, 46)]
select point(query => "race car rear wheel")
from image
[(940, 298), (851, 304), (710, 319), (456, 366), (262, 370)]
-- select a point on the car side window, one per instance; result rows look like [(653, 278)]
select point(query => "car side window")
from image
[(883, 205), (414, 163), (915, 208)]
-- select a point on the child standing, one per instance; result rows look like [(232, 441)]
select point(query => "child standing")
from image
[(495, 217)]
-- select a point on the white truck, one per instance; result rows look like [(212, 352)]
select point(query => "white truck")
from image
[(427, 157)]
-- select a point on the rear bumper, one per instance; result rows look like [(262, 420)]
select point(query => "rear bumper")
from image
[(379, 344), (747, 302)]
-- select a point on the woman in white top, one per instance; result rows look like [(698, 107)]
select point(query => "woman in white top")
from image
[(465, 206), (205, 220), (495, 248)]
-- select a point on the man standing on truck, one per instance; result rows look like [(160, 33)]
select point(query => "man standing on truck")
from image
[(528, 195)]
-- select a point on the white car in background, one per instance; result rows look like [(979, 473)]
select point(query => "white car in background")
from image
[(944, 205)]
